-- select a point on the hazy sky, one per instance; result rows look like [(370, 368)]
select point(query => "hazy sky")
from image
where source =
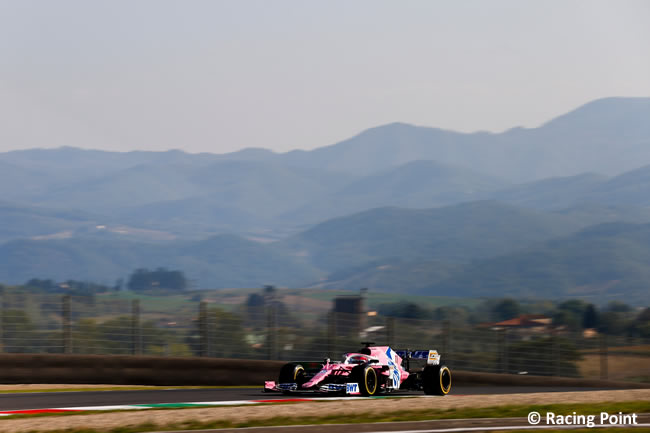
[(218, 76)]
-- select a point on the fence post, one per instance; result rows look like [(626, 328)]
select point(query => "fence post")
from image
[(136, 330), (552, 355), (67, 324), (446, 343), (203, 328), (506, 368), (330, 333), (501, 350), (603, 357), (271, 337), (2, 334), (390, 330)]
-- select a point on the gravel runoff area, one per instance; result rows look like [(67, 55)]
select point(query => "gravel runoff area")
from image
[(297, 410)]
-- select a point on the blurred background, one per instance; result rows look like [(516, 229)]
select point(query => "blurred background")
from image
[(279, 180)]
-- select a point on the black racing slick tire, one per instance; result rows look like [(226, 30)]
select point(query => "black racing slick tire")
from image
[(436, 380), (367, 378), (292, 373)]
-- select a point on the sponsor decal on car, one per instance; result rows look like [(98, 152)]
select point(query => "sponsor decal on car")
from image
[(394, 369), (434, 358), (431, 356), (334, 387), (352, 388)]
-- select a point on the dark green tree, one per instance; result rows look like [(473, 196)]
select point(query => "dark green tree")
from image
[(255, 310), (614, 323), (457, 316), (574, 306), (567, 319), (161, 279), (506, 309), (641, 325), (42, 285), (403, 309), (590, 317), (570, 314), (618, 307)]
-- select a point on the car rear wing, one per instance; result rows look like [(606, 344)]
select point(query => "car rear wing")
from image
[(431, 356)]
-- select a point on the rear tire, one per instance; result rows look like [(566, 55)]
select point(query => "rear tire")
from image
[(436, 380), (367, 378), (292, 373)]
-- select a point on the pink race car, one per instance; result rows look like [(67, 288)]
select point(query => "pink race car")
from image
[(373, 370)]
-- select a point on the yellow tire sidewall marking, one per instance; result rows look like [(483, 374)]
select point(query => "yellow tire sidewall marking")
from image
[(368, 369), (442, 388)]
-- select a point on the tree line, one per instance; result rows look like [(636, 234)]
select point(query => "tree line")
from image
[(142, 280), (573, 315)]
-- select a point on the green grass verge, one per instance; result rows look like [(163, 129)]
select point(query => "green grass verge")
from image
[(414, 415)]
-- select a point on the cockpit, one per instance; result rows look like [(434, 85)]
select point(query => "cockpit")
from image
[(355, 358)]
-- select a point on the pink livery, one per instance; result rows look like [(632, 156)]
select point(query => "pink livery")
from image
[(371, 371)]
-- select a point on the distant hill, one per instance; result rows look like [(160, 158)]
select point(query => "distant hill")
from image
[(259, 192), (192, 218), (237, 184), (220, 261), (30, 221), (609, 136), (552, 193), (599, 264), (140, 184), (452, 234), (417, 184), (17, 182), (631, 189), (605, 262), (221, 196), (404, 250), (71, 163), (593, 214), (397, 207), (473, 249), (265, 188), (391, 275), (628, 189), (383, 147)]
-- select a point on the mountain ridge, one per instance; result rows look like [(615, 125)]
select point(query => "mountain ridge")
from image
[(615, 126)]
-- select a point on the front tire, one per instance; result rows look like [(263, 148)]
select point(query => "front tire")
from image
[(367, 378), (292, 373), (436, 380)]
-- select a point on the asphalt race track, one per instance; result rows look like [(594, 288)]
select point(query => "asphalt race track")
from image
[(41, 400)]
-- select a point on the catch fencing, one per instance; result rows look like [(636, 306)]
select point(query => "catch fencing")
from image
[(116, 326)]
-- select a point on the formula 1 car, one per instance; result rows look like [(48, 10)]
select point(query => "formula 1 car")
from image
[(373, 370)]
